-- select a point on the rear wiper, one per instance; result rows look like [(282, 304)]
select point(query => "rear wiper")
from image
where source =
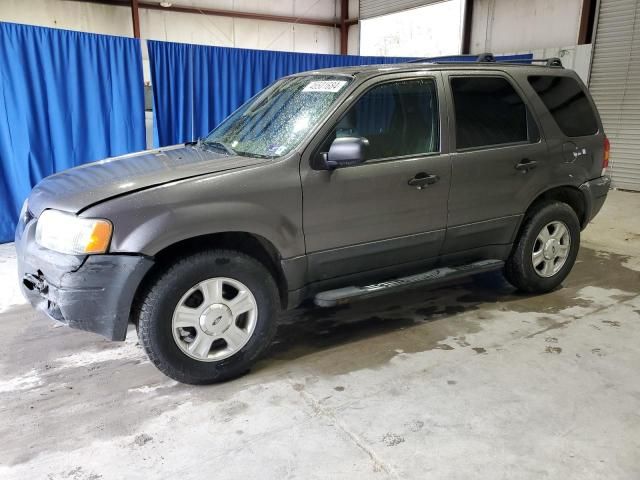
[(219, 145)]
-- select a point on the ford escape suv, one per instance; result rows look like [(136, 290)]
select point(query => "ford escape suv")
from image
[(332, 185)]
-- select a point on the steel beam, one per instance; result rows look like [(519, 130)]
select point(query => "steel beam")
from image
[(135, 17), (587, 20), (467, 23), (344, 27), (219, 13)]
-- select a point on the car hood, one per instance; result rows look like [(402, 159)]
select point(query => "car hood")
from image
[(75, 189)]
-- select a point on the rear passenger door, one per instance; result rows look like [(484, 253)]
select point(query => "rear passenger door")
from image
[(499, 162)]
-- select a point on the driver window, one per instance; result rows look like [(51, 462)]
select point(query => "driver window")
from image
[(398, 118)]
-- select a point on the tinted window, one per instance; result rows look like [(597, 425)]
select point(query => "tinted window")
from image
[(489, 112), (398, 118), (567, 103)]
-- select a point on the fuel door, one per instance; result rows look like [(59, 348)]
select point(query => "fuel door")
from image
[(572, 152)]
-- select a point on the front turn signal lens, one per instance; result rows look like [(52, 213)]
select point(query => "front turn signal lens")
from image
[(99, 238)]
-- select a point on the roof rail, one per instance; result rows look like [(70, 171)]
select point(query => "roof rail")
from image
[(554, 62), (444, 58), (549, 62), (488, 58)]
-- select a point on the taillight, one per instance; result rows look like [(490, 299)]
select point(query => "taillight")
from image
[(605, 156)]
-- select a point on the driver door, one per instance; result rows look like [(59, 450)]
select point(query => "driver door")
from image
[(380, 216)]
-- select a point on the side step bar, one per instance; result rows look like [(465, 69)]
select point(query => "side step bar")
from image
[(340, 296)]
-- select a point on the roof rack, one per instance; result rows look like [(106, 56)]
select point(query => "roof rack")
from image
[(488, 57), (549, 62), (446, 59)]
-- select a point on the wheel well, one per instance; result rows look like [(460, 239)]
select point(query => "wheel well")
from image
[(253, 245), (569, 195)]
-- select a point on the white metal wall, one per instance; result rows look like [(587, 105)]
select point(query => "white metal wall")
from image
[(615, 86), (522, 25), (188, 27), (375, 8)]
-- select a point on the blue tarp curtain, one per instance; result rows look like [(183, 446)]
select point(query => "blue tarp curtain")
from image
[(66, 98), (195, 87)]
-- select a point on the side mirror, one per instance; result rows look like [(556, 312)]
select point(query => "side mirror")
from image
[(344, 152)]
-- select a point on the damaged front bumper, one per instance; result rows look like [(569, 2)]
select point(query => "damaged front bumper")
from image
[(90, 292)]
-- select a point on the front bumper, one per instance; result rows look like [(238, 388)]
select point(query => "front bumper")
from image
[(91, 292), (595, 193)]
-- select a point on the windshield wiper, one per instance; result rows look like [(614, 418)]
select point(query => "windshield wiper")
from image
[(253, 154), (220, 145)]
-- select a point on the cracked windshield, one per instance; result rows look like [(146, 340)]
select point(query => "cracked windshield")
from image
[(276, 120)]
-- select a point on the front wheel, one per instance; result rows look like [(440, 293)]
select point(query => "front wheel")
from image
[(209, 316), (546, 248)]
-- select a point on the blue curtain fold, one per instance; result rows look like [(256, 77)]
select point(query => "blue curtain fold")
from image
[(195, 87), (66, 98)]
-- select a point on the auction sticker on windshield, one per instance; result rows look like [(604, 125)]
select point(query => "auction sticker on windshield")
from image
[(331, 86)]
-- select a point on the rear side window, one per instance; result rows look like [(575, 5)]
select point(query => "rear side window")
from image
[(567, 103), (398, 118), (489, 112)]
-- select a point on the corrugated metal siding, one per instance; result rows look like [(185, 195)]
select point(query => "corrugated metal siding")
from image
[(615, 86), (375, 8)]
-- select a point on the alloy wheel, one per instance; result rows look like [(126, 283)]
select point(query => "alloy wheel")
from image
[(551, 249), (214, 319)]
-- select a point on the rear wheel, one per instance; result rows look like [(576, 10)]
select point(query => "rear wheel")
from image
[(546, 248), (209, 316)]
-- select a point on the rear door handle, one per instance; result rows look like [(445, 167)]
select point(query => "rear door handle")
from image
[(525, 165), (422, 179)]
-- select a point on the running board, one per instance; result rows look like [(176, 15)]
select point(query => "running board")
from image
[(340, 296)]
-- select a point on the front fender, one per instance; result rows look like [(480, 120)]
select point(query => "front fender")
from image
[(166, 228), (264, 201)]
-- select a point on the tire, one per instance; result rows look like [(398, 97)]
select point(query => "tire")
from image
[(179, 287), (520, 270)]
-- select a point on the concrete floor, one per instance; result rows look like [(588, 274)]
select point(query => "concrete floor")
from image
[(467, 381)]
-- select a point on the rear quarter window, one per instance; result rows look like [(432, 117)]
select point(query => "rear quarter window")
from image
[(489, 112), (567, 103)]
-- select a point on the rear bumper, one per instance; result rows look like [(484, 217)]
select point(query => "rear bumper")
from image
[(92, 293), (595, 193)]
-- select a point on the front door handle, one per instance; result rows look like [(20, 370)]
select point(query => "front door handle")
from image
[(422, 179), (525, 165)]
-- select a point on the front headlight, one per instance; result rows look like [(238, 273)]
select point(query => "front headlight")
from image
[(24, 210), (67, 233)]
